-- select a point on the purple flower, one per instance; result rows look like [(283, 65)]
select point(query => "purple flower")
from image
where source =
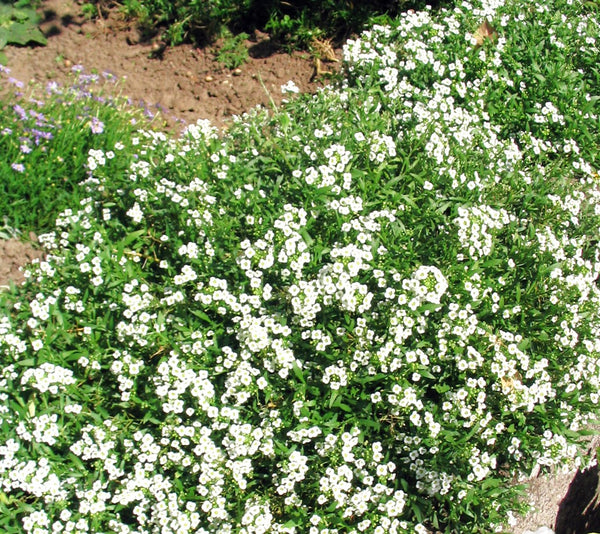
[(16, 82), (39, 116), (25, 149), (97, 126), (88, 79), (19, 167), (20, 112), (53, 88), (40, 134)]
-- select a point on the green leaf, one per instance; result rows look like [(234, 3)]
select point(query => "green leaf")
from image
[(424, 372), (77, 461), (343, 407), (298, 373), (31, 407), (417, 511), (24, 33), (131, 237), (543, 336), (370, 423), (201, 315), (307, 239), (36, 36)]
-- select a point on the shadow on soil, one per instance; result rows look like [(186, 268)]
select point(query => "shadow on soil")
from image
[(579, 511), (53, 25)]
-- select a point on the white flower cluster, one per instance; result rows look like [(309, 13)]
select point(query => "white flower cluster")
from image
[(35, 478), (476, 227), (228, 345), (42, 429), (48, 377), (430, 286)]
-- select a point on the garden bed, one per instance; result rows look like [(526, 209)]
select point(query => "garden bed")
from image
[(144, 241)]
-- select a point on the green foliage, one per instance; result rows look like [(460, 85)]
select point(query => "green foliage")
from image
[(45, 145), (297, 23), (197, 21), (89, 10), (232, 52), (370, 310), (293, 24), (19, 25)]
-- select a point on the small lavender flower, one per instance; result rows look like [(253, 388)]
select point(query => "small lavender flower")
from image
[(19, 167), (20, 112), (52, 88), (16, 83), (39, 134), (97, 126)]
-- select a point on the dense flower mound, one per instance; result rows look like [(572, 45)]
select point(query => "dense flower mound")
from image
[(363, 312)]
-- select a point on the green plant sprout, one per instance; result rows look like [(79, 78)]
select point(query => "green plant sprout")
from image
[(232, 52)]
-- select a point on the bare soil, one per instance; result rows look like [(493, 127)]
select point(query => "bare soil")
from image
[(14, 255), (186, 83)]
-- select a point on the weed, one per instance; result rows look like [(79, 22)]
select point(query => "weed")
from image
[(89, 10), (232, 52)]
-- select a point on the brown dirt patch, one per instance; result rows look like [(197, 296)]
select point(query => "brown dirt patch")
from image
[(14, 254), (184, 81)]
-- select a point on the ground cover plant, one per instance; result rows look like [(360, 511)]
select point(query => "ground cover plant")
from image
[(366, 311)]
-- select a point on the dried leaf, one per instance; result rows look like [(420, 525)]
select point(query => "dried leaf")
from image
[(323, 50), (509, 383), (485, 31)]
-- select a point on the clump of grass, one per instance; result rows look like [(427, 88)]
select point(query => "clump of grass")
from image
[(367, 311)]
